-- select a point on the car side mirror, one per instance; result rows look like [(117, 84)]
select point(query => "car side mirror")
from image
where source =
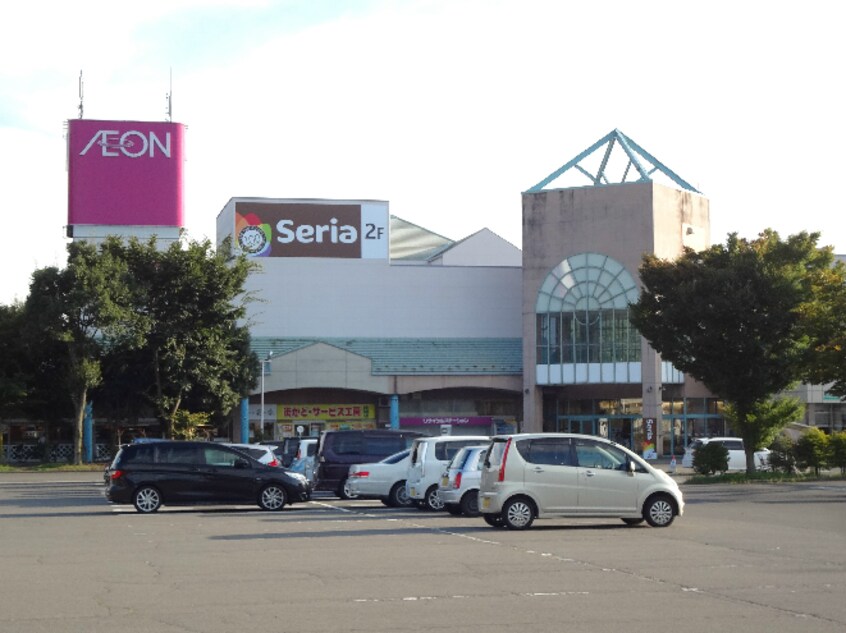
[(631, 467)]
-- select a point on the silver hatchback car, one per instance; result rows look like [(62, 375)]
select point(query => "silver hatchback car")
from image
[(529, 476), (459, 488)]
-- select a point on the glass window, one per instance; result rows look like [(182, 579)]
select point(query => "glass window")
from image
[(383, 445), (553, 451), (445, 451), (142, 454), (495, 453), (600, 455), (219, 456), (178, 454), (348, 444), (583, 313)]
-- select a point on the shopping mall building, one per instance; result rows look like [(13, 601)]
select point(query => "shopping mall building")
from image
[(368, 321), (364, 320)]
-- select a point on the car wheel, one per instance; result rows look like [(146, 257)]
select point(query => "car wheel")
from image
[(659, 511), (272, 497), (633, 521), (147, 499), (470, 503), (433, 499), (399, 495), (344, 491), (518, 514), (453, 508), (494, 520)]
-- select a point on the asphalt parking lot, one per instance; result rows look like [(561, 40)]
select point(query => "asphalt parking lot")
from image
[(743, 558)]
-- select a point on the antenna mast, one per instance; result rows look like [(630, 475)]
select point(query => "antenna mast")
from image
[(80, 94), (169, 98)]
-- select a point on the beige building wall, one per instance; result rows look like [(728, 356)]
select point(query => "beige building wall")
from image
[(623, 221)]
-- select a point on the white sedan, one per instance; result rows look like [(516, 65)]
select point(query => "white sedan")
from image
[(383, 480)]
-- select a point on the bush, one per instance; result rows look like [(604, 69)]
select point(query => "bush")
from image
[(812, 450), (783, 454), (711, 458), (837, 445)]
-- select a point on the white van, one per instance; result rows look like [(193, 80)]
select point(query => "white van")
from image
[(536, 475), (430, 457)]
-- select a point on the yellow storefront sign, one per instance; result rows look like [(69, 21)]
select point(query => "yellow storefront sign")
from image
[(327, 412)]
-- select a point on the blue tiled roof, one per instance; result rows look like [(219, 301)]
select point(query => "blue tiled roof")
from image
[(407, 356)]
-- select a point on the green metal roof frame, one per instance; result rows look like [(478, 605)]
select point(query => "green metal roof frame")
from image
[(644, 163), (406, 356)]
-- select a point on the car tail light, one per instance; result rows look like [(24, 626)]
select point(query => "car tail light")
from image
[(457, 483), (504, 459), (274, 462), (360, 473), (115, 474)]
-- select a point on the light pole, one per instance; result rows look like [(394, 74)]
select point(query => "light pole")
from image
[(265, 362)]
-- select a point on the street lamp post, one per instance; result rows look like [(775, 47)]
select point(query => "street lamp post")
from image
[(264, 363)]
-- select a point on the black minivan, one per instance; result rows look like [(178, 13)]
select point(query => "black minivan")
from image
[(176, 472), (338, 450)]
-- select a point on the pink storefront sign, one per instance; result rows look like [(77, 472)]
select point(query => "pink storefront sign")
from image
[(125, 173), (453, 420)]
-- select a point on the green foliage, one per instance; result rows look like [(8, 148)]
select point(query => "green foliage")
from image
[(14, 377), (186, 426), (136, 326), (745, 318), (783, 454), (731, 316), (711, 458), (812, 450), (75, 311), (187, 346), (762, 423), (837, 446)]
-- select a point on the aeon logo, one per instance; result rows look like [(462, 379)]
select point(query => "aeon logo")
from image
[(133, 144)]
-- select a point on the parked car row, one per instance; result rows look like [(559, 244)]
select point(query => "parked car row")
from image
[(510, 480)]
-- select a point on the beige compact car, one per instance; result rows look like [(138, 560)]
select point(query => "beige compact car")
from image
[(540, 475)]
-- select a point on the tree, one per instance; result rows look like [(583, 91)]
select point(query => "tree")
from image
[(765, 420), (14, 378), (187, 346), (837, 444), (738, 317), (812, 450), (79, 308), (827, 319)]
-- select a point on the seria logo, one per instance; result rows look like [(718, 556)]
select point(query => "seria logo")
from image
[(252, 235)]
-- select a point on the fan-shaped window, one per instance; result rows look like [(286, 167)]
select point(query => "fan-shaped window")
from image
[(583, 312)]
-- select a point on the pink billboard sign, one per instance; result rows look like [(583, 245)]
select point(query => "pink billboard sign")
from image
[(125, 173)]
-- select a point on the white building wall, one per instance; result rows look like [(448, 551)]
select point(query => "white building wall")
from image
[(312, 297)]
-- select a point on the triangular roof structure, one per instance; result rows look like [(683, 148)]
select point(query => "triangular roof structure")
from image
[(621, 161), (412, 242)]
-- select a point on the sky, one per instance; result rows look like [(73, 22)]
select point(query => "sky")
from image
[(447, 109)]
